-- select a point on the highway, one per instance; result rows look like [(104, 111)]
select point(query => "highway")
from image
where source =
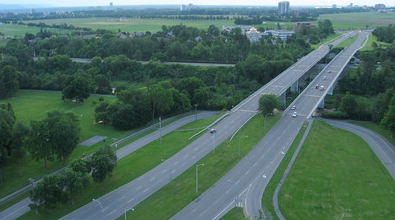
[(129, 195), (252, 173), (115, 203), (21, 207)]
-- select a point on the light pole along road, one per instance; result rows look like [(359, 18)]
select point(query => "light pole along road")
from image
[(139, 189), (255, 170)]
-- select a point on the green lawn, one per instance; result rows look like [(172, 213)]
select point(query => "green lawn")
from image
[(359, 20), (167, 201), (337, 179), (33, 105)]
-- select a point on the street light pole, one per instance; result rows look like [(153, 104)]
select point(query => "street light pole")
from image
[(99, 204), (160, 129), (197, 177), (128, 210), (243, 136)]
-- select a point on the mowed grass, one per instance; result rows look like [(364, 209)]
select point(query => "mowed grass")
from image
[(133, 24), (167, 201), (359, 20), (337, 176), (34, 105)]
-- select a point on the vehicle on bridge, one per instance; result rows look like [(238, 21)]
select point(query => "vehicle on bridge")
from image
[(294, 114)]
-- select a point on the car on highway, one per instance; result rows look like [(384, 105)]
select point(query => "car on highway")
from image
[(293, 107), (322, 88), (294, 114), (316, 86), (212, 131)]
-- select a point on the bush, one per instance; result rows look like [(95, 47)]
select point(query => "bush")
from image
[(335, 115)]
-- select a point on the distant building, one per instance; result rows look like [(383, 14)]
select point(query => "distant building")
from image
[(300, 13), (254, 35), (283, 7), (334, 6), (300, 25), (282, 34), (379, 6), (190, 6)]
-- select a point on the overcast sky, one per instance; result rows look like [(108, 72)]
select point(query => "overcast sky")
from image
[(195, 2)]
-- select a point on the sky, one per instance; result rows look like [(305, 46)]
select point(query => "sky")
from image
[(65, 3)]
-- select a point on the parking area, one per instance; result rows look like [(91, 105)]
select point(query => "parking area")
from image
[(93, 140)]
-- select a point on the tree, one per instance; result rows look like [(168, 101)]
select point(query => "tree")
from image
[(349, 105), (9, 84), (102, 163), (7, 120), (64, 132), (20, 133), (73, 181), (78, 87), (267, 103), (55, 135), (124, 118), (48, 193), (38, 145), (388, 120), (161, 98)]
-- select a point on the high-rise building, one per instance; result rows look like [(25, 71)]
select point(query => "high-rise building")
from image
[(283, 7)]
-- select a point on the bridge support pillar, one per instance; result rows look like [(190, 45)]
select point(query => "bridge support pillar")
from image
[(321, 105), (295, 87), (283, 99)]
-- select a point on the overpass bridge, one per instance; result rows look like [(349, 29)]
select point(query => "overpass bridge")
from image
[(131, 194), (248, 179), (141, 188)]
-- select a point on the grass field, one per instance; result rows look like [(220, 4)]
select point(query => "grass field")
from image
[(33, 105), (360, 20), (167, 201), (337, 179), (132, 25)]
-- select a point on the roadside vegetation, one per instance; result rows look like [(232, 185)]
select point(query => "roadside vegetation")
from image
[(334, 179), (41, 59)]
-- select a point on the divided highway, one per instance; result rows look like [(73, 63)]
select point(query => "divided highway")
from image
[(270, 150), (245, 183), (129, 195)]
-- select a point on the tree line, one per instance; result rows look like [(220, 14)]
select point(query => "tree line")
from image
[(367, 92)]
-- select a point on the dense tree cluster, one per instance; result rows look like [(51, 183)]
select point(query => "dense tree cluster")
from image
[(56, 135), (44, 61), (366, 93), (60, 188), (385, 34)]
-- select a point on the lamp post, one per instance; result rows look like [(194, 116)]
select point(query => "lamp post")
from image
[(243, 136), (160, 129), (196, 105), (212, 132), (264, 126), (197, 177), (102, 209), (128, 210)]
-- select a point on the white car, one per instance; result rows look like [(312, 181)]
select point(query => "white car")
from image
[(293, 107), (294, 114)]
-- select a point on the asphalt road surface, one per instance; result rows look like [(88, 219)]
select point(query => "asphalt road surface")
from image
[(115, 203), (21, 207), (251, 174)]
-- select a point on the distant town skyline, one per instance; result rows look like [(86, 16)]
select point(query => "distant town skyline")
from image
[(320, 3)]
